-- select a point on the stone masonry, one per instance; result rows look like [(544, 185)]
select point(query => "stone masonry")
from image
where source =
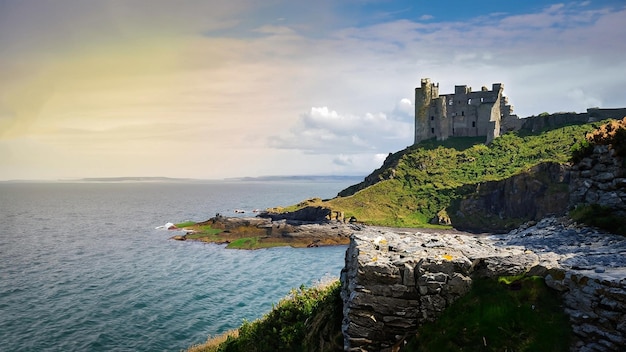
[(600, 179), (465, 113), (394, 282)]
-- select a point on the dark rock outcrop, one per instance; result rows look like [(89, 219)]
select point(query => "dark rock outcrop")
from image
[(306, 214), (500, 206)]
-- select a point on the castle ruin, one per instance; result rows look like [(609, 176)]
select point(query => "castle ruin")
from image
[(462, 114)]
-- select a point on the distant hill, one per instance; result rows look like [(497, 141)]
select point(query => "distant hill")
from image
[(134, 179), (315, 178)]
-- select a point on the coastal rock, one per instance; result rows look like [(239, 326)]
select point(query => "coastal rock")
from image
[(306, 214), (501, 206), (394, 282), (292, 232)]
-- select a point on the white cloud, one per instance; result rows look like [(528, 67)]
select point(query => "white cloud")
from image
[(404, 109), (380, 158), (275, 30), (325, 131), (342, 160), (582, 97)]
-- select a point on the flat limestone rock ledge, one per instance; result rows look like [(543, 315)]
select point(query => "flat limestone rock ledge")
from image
[(393, 282)]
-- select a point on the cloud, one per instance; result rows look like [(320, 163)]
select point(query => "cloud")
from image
[(342, 160), (326, 131), (225, 80), (584, 98), (517, 50)]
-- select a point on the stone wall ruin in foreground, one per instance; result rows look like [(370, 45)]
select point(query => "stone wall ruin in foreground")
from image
[(394, 282)]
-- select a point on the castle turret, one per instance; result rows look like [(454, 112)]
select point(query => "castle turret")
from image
[(423, 98)]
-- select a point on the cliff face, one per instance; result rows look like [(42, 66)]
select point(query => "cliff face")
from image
[(500, 206)]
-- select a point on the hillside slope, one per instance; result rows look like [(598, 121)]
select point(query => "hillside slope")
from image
[(431, 180)]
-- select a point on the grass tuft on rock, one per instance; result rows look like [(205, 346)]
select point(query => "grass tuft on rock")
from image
[(599, 216), (499, 315)]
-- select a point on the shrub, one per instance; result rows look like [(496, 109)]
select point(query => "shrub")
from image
[(599, 216), (613, 134), (581, 150), (299, 322)]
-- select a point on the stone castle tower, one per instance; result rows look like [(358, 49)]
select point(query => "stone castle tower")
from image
[(462, 114)]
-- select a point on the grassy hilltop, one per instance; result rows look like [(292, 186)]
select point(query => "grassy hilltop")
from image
[(428, 179)]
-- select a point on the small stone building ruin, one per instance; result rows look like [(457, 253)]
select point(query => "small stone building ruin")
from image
[(462, 114)]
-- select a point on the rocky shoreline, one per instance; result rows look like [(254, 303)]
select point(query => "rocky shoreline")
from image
[(267, 232)]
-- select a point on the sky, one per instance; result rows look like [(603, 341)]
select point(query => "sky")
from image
[(217, 89)]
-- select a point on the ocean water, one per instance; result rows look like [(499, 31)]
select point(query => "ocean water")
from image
[(82, 267)]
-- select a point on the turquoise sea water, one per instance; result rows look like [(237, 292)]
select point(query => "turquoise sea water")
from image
[(82, 267)]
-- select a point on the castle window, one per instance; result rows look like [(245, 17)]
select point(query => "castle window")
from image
[(482, 99), (469, 101), (432, 118), (450, 102), (432, 130), (473, 123), (462, 113)]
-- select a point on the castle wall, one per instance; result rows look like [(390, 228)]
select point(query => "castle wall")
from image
[(462, 114), (538, 123), (484, 113), (597, 114)]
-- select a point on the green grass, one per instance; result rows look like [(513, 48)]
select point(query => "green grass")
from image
[(524, 315), (309, 319), (206, 233), (244, 243), (254, 243), (203, 232), (185, 224), (431, 176), (458, 143), (599, 216)]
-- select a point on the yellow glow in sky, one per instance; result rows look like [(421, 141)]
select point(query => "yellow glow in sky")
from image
[(241, 88)]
